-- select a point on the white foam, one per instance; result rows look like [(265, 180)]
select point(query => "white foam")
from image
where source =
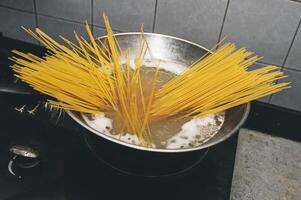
[(100, 123), (193, 132), (190, 133), (104, 125)]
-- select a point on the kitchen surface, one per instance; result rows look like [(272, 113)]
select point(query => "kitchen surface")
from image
[(261, 160)]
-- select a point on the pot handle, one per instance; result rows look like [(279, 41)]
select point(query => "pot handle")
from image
[(20, 89), (13, 88)]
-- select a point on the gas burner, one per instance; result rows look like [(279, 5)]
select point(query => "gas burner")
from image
[(24, 162)]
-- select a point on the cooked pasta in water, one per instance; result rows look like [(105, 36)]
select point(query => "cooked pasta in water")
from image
[(170, 133)]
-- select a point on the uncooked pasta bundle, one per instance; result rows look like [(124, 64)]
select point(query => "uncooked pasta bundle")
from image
[(90, 77)]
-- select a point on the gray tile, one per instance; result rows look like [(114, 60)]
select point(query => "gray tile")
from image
[(257, 66), (266, 168), (98, 32), (198, 21), (264, 26), (55, 27), (294, 58), (125, 15), (26, 5), (77, 10), (11, 22), (290, 98)]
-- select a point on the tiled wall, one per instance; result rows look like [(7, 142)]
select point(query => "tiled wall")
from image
[(271, 28)]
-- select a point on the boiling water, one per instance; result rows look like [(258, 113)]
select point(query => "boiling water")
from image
[(170, 133)]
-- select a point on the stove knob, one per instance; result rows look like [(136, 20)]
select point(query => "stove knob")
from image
[(24, 162)]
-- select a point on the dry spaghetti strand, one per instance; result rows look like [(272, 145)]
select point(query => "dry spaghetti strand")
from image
[(218, 82)]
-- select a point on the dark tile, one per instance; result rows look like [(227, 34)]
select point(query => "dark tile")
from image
[(26, 5), (198, 21), (11, 22), (55, 27), (125, 15), (294, 58), (77, 10), (274, 120), (264, 26), (290, 98)]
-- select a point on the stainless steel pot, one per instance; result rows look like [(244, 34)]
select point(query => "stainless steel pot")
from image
[(172, 50), (133, 159)]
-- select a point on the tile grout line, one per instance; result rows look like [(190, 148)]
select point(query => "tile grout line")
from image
[(155, 16), (287, 54), (63, 19), (292, 69), (92, 17), (41, 14), (16, 9), (267, 63), (291, 45), (35, 12), (58, 18), (114, 29), (36, 17), (223, 22), (75, 22)]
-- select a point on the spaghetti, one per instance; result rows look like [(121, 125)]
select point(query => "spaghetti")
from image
[(89, 77)]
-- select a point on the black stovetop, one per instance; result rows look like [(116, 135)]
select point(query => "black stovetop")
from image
[(68, 170)]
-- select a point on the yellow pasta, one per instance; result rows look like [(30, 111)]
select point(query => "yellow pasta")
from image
[(89, 77)]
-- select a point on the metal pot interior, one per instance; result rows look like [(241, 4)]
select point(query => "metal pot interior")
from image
[(180, 52)]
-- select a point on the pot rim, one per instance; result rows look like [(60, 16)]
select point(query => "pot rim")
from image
[(206, 145)]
